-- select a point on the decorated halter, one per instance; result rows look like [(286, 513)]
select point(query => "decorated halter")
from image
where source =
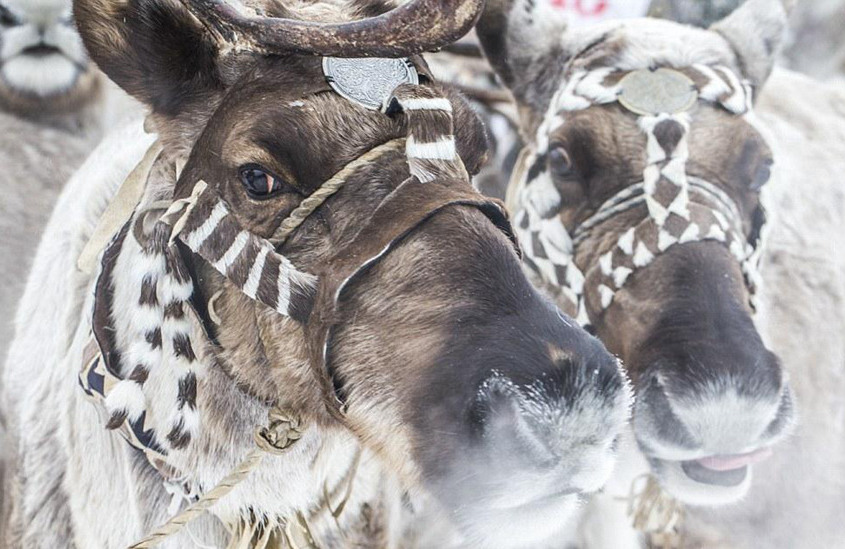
[(679, 208)]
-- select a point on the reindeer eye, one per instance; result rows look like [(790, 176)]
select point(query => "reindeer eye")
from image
[(258, 183), (559, 162)]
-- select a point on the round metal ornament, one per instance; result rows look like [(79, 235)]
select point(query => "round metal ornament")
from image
[(652, 92), (368, 81)]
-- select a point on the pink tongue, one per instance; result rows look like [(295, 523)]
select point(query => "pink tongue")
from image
[(729, 463)]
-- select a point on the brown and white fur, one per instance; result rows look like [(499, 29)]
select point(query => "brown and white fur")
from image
[(711, 326), (469, 396)]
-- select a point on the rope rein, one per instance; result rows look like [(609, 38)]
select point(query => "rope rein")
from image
[(175, 524), (282, 431)]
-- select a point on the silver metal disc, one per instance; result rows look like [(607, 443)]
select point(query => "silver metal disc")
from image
[(648, 92), (368, 81)]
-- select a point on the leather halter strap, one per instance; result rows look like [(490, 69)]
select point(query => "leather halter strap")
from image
[(399, 215)]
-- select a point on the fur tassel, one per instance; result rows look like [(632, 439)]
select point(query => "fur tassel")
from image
[(125, 400)]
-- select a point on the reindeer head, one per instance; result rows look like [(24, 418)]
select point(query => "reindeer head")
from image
[(638, 204), (43, 65), (408, 321)]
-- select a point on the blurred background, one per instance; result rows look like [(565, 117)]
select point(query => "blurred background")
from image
[(816, 45)]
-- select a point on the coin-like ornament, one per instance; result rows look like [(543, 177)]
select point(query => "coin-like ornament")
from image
[(653, 92), (368, 81)]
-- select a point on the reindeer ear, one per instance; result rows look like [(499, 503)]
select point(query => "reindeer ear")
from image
[(519, 37), (755, 31), (153, 49), (472, 140)]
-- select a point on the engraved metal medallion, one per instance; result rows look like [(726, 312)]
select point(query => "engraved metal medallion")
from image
[(368, 81), (652, 92)]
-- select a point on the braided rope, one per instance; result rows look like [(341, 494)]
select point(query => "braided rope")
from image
[(175, 524), (330, 187), (283, 431)]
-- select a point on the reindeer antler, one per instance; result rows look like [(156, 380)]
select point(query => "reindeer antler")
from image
[(414, 27)]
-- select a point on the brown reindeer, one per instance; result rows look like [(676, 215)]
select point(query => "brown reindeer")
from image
[(637, 203), (388, 325)]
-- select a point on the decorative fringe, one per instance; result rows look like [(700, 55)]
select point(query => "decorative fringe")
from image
[(158, 342), (655, 513)]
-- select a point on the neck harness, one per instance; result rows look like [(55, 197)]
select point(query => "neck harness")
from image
[(679, 208), (142, 367)]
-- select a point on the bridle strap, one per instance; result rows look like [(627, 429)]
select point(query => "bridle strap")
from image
[(329, 188), (400, 214), (633, 196)]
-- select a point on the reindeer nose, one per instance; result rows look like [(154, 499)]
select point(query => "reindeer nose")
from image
[(676, 426), (534, 426), (509, 425), (554, 438)]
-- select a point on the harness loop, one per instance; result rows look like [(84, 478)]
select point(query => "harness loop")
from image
[(282, 432)]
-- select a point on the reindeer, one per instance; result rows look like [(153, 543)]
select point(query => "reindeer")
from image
[(637, 201), (299, 314), (53, 107), (797, 494), (50, 96)]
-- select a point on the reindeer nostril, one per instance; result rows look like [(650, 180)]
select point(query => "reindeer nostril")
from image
[(508, 421)]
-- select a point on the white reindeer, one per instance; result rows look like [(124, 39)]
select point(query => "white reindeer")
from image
[(637, 132)]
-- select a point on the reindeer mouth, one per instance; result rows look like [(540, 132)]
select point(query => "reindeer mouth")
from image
[(41, 50), (723, 470)]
